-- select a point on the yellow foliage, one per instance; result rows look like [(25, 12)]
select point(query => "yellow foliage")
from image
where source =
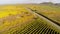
[(18, 15)]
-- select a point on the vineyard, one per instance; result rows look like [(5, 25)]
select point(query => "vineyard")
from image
[(26, 19)]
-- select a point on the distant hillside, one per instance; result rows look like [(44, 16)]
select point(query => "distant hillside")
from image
[(46, 3), (50, 3), (58, 4)]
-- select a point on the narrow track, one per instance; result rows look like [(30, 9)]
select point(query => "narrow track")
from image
[(49, 19), (45, 17), (55, 24)]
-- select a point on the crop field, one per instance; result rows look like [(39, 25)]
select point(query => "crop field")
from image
[(51, 12), (22, 19)]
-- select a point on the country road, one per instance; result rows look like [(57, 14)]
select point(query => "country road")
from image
[(49, 22)]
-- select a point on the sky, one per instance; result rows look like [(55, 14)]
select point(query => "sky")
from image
[(26, 1)]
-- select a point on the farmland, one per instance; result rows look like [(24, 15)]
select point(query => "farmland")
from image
[(18, 19), (51, 12)]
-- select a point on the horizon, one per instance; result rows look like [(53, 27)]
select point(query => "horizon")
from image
[(2, 2)]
